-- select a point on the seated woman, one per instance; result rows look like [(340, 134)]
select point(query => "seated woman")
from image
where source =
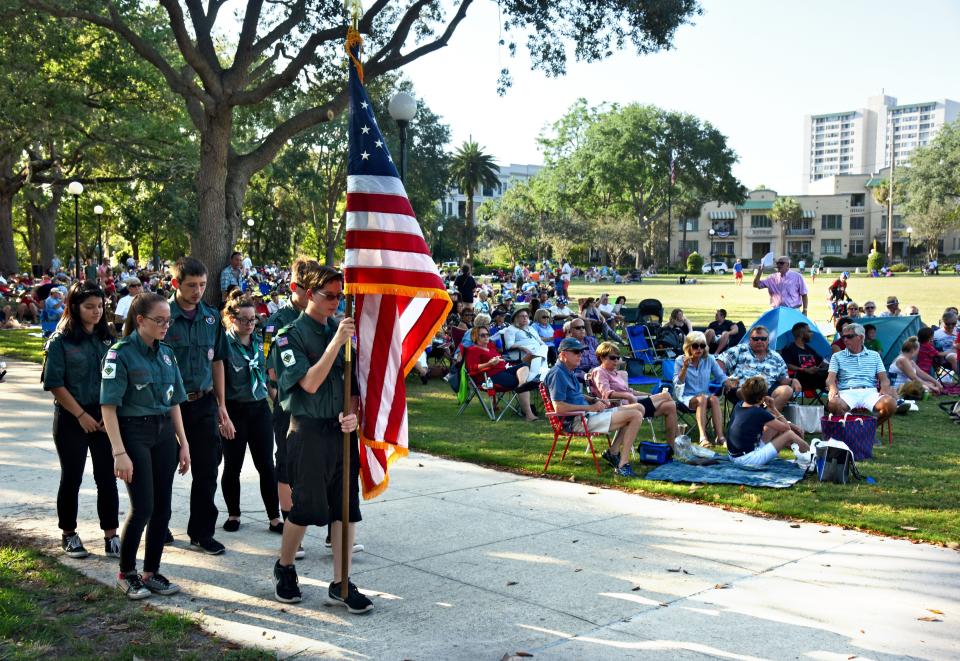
[(590, 312), (541, 324), (756, 433), (838, 344), (904, 369), (609, 382), (691, 385), (484, 361), (520, 336)]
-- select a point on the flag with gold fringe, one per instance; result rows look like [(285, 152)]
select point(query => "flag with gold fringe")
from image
[(401, 300)]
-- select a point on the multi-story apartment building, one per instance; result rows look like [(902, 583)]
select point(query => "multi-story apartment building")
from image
[(841, 219), (858, 141), (454, 203)]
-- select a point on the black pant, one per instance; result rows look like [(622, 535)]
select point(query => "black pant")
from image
[(254, 429), (153, 449), (201, 426), (281, 423), (72, 444)]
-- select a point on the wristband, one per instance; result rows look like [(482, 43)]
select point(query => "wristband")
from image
[(120, 454), (79, 415)]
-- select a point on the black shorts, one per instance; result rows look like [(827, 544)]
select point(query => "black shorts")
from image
[(281, 423), (648, 407), (315, 468)]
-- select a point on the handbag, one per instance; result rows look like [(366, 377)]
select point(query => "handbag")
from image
[(835, 462), (805, 416), (859, 432)]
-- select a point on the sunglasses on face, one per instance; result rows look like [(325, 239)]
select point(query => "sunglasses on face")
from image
[(328, 296), (763, 338), (578, 328), (613, 357), (850, 337), (482, 335), (698, 346)]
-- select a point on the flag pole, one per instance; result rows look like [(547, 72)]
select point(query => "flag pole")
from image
[(345, 480)]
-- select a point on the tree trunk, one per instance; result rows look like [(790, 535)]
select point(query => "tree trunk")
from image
[(468, 257), (220, 206), (45, 216), (10, 184), (135, 247)]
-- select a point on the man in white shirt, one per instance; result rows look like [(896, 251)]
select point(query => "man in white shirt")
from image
[(134, 287), (247, 265)]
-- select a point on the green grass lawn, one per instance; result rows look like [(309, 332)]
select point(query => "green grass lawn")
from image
[(50, 611), (23, 344)]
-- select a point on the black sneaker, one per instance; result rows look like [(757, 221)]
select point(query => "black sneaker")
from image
[(72, 546), (276, 527), (231, 525), (210, 546), (111, 547), (610, 459), (286, 584), (356, 601), (158, 584), (169, 538), (902, 407), (132, 585)]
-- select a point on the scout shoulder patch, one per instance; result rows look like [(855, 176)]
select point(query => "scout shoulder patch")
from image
[(210, 320), (210, 354), (288, 358), (169, 393), (167, 360), (111, 354), (109, 371), (282, 341)]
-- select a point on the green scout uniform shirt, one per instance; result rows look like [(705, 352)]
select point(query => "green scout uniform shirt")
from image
[(245, 370), (197, 344), (140, 379), (298, 347), (74, 364), (277, 322)]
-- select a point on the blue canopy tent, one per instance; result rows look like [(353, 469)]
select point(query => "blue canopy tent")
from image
[(891, 332), (780, 322)]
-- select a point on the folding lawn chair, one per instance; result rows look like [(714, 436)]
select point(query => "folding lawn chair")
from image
[(643, 357), (557, 425)]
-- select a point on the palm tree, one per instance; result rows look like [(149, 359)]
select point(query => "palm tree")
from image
[(785, 211), (471, 169)]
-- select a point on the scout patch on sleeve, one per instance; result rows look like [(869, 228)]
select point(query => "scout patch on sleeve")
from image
[(271, 329), (109, 371), (169, 393), (282, 341), (210, 354), (210, 320), (288, 358), (167, 360), (111, 354)]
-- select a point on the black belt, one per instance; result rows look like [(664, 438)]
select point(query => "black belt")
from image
[(144, 418), (199, 394)]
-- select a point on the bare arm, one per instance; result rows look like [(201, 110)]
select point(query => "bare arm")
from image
[(122, 464), (227, 430), (803, 297), (832, 385), (884, 382), (71, 406), (184, 454), (756, 277), (563, 407)]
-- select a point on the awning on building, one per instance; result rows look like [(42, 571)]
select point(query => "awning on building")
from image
[(873, 182), (807, 213), (757, 205), (722, 215)]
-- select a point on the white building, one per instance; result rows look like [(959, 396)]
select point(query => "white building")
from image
[(454, 202), (855, 142), (840, 220)]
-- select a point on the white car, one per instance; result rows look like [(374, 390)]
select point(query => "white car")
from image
[(715, 267)]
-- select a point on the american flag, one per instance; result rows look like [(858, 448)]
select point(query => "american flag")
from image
[(400, 299)]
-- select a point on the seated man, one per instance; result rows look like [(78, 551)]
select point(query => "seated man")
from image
[(576, 329), (809, 367), (945, 339), (719, 332), (757, 359), (756, 433), (561, 311), (567, 395), (854, 376)]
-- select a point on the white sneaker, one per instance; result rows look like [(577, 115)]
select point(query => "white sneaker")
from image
[(300, 554)]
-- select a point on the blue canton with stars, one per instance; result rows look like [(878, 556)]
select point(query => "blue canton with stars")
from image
[(368, 149)]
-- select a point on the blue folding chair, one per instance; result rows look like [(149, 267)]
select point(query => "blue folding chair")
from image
[(643, 356)]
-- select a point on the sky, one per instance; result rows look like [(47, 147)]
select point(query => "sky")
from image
[(752, 68)]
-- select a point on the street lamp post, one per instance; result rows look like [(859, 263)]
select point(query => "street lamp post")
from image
[(712, 234), (440, 242), (402, 108), (909, 248), (98, 212), (75, 188), (250, 237)]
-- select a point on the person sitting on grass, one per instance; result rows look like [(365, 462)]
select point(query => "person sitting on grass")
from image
[(692, 374), (854, 376), (757, 431), (928, 357), (756, 358), (720, 331), (567, 396), (871, 342), (905, 369)]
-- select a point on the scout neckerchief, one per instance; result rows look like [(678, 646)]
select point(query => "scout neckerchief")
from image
[(252, 356)]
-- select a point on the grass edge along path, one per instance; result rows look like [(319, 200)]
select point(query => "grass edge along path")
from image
[(24, 343), (51, 611)]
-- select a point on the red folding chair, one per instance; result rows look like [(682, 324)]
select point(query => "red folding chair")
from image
[(556, 423)]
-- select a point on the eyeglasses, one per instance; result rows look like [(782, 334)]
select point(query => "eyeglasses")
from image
[(578, 328), (134, 286), (870, 307), (614, 356), (483, 334), (162, 322), (698, 346), (758, 338), (250, 321), (328, 296), (782, 263), (850, 337)]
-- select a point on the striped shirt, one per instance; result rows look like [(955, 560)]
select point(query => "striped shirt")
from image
[(856, 370)]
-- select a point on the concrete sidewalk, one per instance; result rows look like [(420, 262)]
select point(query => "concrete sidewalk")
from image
[(468, 563)]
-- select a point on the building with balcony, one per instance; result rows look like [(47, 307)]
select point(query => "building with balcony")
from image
[(841, 220), (859, 141), (454, 203)]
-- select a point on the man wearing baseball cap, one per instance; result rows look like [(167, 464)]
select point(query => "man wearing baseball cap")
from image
[(893, 308), (567, 395)]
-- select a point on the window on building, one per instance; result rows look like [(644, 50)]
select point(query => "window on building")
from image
[(723, 248), (693, 224), (856, 222), (461, 209), (692, 245), (856, 247), (798, 247), (830, 246), (831, 222), (760, 220), (858, 199)]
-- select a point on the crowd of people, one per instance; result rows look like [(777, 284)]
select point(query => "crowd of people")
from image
[(150, 380)]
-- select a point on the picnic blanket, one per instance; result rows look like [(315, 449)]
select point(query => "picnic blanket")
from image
[(778, 474)]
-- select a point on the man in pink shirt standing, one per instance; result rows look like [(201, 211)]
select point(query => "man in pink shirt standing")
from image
[(786, 287)]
